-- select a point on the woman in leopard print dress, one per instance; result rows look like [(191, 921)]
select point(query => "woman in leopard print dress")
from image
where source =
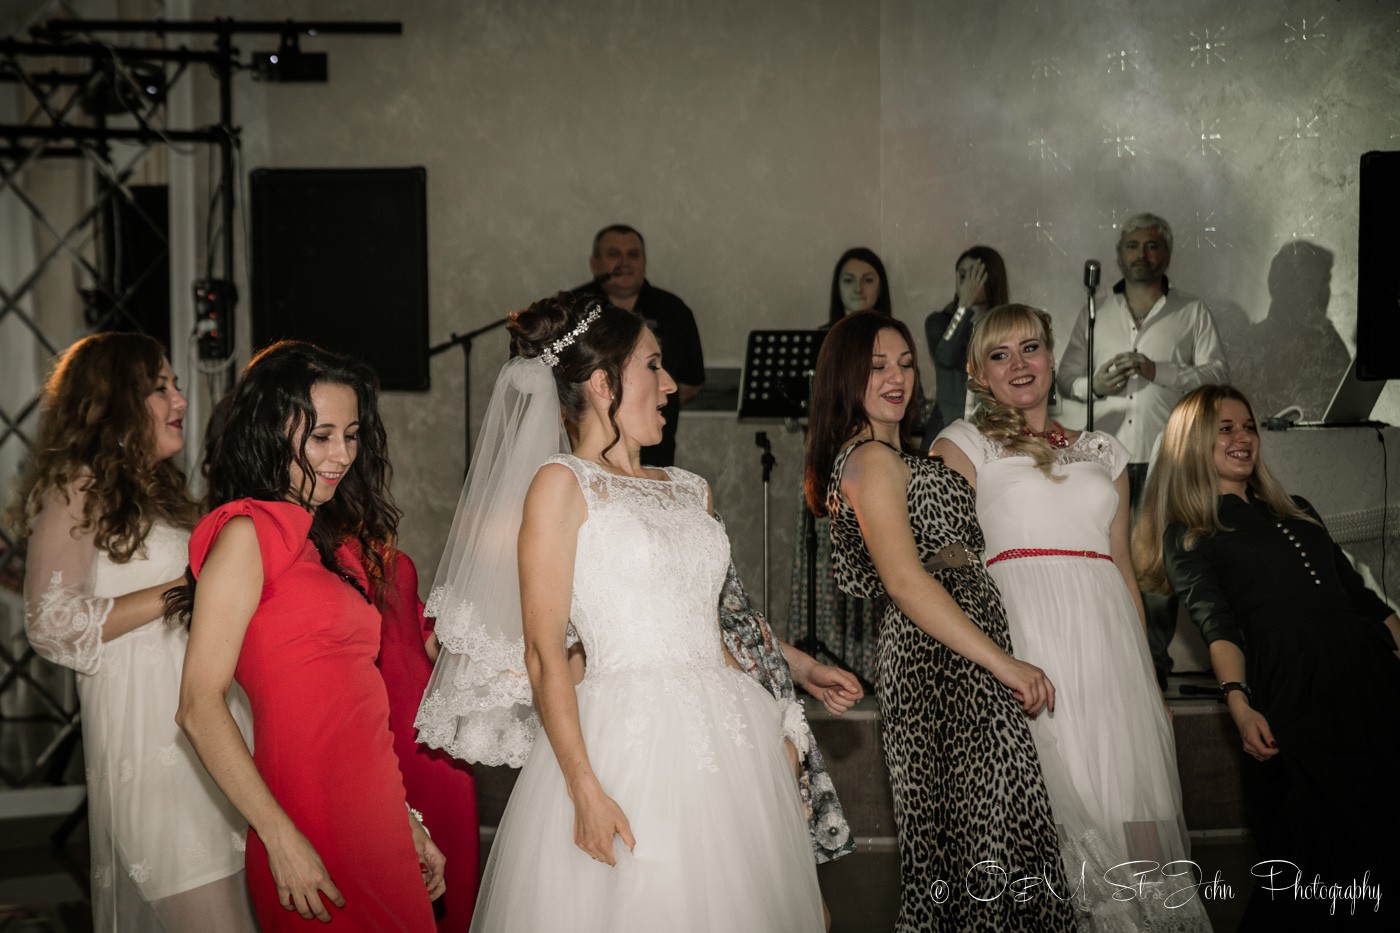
[(977, 846)]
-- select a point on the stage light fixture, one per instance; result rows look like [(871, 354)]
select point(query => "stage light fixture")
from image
[(289, 63)]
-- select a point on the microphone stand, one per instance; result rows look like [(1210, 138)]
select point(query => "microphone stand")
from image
[(465, 342), (767, 460), (1093, 316)]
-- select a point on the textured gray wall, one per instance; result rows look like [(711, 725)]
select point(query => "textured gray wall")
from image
[(741, 138), (1037, 127), (752, 142)]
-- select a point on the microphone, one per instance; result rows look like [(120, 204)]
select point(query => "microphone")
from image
[(602, 277), (1091, 275)]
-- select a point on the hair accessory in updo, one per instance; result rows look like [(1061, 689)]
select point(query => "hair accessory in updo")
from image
[(550, 354)]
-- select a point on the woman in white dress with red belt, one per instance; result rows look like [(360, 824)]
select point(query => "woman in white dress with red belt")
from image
[(1053, 506)]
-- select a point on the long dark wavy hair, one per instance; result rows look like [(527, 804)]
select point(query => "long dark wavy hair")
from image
[(96, 432), (606, 344), (882, 301), (262, 427), (837, 409)]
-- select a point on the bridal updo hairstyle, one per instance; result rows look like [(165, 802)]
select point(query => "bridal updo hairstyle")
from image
[(995, 419), (605, 345)]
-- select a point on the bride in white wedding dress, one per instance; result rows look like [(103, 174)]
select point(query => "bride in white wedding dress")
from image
[(664, 795)]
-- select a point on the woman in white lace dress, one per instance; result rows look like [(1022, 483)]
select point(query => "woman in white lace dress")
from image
[(108, 519), (1053, 506), (659, 793)]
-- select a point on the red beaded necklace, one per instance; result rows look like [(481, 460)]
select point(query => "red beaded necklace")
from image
[(1055, 437)]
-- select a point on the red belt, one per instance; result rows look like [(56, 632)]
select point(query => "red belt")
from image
[(1018, 552)]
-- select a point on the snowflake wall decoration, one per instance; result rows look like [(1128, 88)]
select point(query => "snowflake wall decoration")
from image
[(1303, 130), (1043, 150), (1206, 46), (1045, 67), (1124, 144), (1208, 138), (1043, 231), (1206, 232), (1112, 219), (1304, 35), (1121, 60)]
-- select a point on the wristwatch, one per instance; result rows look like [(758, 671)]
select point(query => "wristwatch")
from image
[(1239, 685)]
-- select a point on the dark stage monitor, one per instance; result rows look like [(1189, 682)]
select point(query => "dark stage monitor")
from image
[(1378, 268), (340, 258)]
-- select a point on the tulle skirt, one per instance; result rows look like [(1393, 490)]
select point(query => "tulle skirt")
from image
[(696, 762), (1107, 751)]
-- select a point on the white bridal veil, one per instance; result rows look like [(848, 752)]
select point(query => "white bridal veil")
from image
[(478, 705)]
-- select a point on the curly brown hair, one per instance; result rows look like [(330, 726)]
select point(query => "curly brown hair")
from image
[(96, 433)]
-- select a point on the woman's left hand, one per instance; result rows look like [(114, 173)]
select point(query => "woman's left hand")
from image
[(838, 689), (431, 861)]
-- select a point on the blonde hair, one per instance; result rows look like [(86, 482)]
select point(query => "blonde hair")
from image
[(1183, 485), (995, 419)]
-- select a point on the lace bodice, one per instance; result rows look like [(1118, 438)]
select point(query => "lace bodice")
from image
[(1018, 506), (649, 567)]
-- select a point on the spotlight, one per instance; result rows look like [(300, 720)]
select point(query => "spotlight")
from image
[(138, 86), (289, 62)]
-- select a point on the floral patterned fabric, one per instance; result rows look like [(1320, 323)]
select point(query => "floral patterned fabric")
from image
[(751, 642)]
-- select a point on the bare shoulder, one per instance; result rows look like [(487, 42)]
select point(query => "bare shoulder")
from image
[(873, 464), (555, 490)]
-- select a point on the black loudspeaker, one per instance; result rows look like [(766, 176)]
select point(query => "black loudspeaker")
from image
[(340, 258), (135, 261), (1378, 268)]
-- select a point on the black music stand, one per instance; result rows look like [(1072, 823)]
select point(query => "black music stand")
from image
[(775, 386)]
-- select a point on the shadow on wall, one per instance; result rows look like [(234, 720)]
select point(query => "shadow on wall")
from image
[(1294, 356)]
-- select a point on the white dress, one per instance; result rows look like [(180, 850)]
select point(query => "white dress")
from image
[(167, 846), (1107, 751), (688, 747)]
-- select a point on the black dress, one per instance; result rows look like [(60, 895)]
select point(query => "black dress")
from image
[(1320, 663), (963, 767)]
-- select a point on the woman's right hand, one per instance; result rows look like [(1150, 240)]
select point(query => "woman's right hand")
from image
[(1028, 684), (1255, 734), (597, 819), (301, 877), (970, 286)]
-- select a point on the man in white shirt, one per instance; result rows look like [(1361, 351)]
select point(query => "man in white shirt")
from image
[(1152, 344)]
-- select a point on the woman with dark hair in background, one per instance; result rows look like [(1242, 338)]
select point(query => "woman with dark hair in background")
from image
[(981, 285), (107, 517), (953, 700), (846, 624), (663, 744), (1304, 652), (859, 283), (289, 564), (1053, 507)]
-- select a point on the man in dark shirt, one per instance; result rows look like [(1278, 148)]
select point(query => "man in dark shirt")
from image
[(619, 267)]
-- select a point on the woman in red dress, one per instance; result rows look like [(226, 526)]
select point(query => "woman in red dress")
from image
[(297, 467), (442, 786)]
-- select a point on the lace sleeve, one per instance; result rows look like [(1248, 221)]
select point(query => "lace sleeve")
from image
[(61, 616)]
